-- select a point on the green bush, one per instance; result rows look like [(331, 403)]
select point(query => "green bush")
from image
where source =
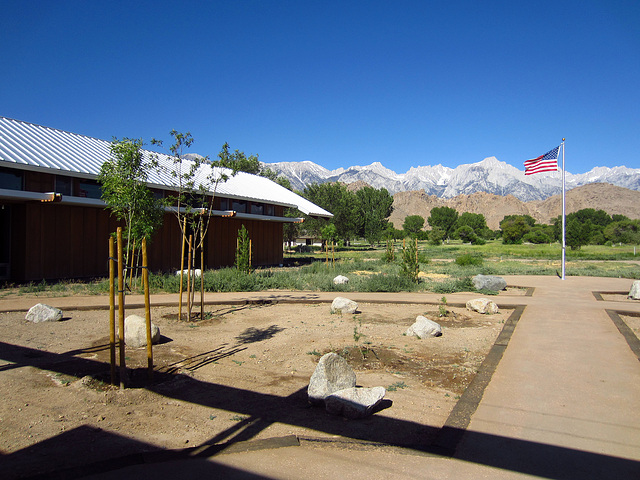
[(468, 259)]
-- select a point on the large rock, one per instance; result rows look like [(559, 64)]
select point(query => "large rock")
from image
[(343, 305), (489, 282), (332, 374), (340, 280), (354, 402), (424, 327), (634, 293), (482, 305), (43, 313), (135, 332)]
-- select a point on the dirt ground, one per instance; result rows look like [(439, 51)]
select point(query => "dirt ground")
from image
[(240, 374)]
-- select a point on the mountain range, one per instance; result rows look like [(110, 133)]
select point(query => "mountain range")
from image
[(490, 176)]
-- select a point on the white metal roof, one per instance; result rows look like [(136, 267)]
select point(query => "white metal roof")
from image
[(28, 146)]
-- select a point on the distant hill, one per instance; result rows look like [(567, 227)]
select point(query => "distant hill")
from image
[(601, 196), (490, 176)]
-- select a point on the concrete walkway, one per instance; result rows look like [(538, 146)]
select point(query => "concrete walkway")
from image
[(563, 402)]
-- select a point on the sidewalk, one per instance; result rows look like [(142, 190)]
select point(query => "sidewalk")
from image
[(563, 402)]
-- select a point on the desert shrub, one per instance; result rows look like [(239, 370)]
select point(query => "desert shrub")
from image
[(467, 259), (452, 285)]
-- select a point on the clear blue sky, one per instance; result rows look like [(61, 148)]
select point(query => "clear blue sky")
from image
[(340, 83)]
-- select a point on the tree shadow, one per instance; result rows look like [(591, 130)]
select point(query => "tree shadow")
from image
[(253, 335)]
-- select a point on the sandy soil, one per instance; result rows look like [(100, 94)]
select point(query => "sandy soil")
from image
[(239, 375)]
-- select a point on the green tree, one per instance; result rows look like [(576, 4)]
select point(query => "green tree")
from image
[(243, 251), (515, 227), (123, 178), (474, 220), (443, 217), (623, 231), (413, 225), (466, 234), (410, 266), (373, 206), (577, 233), (291, 230), (436, 236), (237, 161), (335, 198)]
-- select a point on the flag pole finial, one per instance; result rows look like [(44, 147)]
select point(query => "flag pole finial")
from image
[(563, 139)]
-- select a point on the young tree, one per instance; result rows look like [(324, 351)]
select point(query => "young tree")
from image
[(195, 182), (123, 178), (243, 251)]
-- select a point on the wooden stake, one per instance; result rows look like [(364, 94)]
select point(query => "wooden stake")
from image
[(250, 251), (147, 308), (189, 279), (123, 365), (201, 272), (184, 235), (112, 309), (132, 251)]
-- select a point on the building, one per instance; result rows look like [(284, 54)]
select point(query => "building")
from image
[(54, 225)]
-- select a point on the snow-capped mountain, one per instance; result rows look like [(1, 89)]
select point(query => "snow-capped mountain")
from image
[(490, 175)]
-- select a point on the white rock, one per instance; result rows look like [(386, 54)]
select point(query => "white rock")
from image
[(43, 313), (332, 374), (424, 327), (340, 280), (343, 305), (135, 332), (354, 402), (634, 293), (482, 305)]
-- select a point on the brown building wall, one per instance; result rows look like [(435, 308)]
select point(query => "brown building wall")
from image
[(53, 241)]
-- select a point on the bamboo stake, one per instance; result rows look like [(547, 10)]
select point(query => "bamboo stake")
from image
[(147, 309), (333, 254), (189, 279), (123, 365), (112, 309), (201, 272), (184, 235)]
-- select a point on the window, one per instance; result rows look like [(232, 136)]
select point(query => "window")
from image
[(11, 179), (224, 203), (64, 185), (270, 210), (257, 208), (89, 189), (239, 206)]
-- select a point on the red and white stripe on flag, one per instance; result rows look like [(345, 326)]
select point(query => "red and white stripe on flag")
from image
[(544, 163)]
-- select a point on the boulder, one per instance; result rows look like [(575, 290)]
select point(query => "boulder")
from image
[(354, 402), (482, 305), (489, 282), (424, 327), (332, 374), (135, 332), (340, 280), (343, 305), (43, 313), (634, 293)]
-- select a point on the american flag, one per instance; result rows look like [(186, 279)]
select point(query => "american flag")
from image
[(544, 163)]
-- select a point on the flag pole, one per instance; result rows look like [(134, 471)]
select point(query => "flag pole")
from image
[(564, 245)]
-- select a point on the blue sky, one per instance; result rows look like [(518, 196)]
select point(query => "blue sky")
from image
[(339, 83)]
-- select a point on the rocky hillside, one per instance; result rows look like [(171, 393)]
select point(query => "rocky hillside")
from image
[(611, 199)]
